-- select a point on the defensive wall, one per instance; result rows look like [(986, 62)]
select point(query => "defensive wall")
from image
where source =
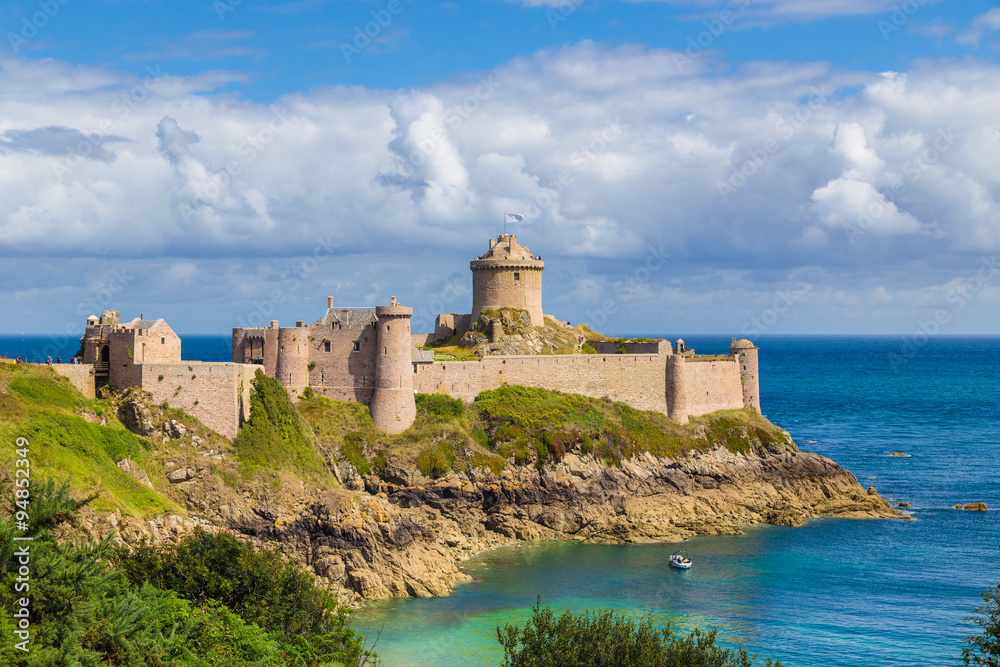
[(676, 386), (216, 393), (80, 376)]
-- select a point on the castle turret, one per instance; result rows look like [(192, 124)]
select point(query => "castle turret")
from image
[(746, 356), (507, 276), (292, 369), (677, 387), (393, 408)]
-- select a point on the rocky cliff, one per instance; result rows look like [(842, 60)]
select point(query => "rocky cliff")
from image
[(408, 539)]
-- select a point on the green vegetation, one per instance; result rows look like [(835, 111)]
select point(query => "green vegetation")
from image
[(210, 600), (984, 649), (277, 437), (523, 425), (604, 639), (59, 423)]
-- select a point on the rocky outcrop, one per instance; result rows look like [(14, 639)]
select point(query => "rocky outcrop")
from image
[(409, 537), (972, 507)]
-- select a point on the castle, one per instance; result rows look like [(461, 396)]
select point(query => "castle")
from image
[(369, 355)]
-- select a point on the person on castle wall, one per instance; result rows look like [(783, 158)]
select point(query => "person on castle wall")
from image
[(48, 362), (58, 359), (18, 360)]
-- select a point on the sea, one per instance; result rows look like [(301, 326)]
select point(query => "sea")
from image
[(835, 592)]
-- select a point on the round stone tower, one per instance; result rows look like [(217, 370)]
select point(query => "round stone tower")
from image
[(393, 408), (292, 367), (507, 276), (746, 357)]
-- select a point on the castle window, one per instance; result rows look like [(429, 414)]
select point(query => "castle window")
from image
[(163, 341), (385, 350), (357, 346), (387, 327), (414, 369), (517, 276), (326, 346)]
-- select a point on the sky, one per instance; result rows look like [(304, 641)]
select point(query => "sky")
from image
[(743, 167)]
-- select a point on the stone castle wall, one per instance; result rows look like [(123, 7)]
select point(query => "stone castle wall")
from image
[(697, 387), (80, 376), (216, 393), (636, 379)]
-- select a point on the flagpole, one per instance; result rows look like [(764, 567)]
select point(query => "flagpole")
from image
[(505, 223)]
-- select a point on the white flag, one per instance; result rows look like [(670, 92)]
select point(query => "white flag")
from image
[(515, 217)]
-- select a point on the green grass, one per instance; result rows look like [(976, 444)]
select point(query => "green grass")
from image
[(277, 437), (45, 409)]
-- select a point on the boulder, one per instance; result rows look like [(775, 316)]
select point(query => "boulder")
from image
[(179, 475), (972, 507), (472, 339)]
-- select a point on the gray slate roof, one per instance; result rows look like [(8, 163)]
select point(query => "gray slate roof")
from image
[(348, 317)]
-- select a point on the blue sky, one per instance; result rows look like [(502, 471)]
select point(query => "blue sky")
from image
[(787, 166)]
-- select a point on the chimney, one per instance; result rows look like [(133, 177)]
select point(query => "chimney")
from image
[(492, 243), (274, 324), (329, 302), (300, 323), (394, 301)]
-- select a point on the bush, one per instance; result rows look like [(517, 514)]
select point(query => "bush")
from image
[(602, 638), (588, 349), (440, 407), (984, 649), (276, 433), (353, 450), (586, 444), (436, 460)]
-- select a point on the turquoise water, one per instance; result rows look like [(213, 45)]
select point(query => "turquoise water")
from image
[(834, 592)]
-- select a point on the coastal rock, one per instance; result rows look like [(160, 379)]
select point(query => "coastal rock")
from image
[(901, 504), (900, 454), (972, 507)]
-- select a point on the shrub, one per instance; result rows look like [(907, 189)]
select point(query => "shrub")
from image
[(432, 462), (276, 435), (440, 407), (588, 349), (380, 464), (353, 450), (586, 444), (494, 464), (604, 638), (984, 649), (312, 365)]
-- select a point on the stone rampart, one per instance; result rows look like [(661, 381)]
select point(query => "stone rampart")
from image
[(698, 387), (636, 379), (216, 393), (80, 376)]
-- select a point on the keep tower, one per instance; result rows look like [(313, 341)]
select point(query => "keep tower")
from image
[(507, 276), (393, 407)]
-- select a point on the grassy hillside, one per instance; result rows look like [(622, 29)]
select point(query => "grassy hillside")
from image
[(67, 440), (522, 425)]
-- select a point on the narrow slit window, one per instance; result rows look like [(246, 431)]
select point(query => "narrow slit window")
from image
[(517, 276), (326, 346), (357, 346)]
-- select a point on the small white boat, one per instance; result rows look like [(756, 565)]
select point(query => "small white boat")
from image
[(680, 559)]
